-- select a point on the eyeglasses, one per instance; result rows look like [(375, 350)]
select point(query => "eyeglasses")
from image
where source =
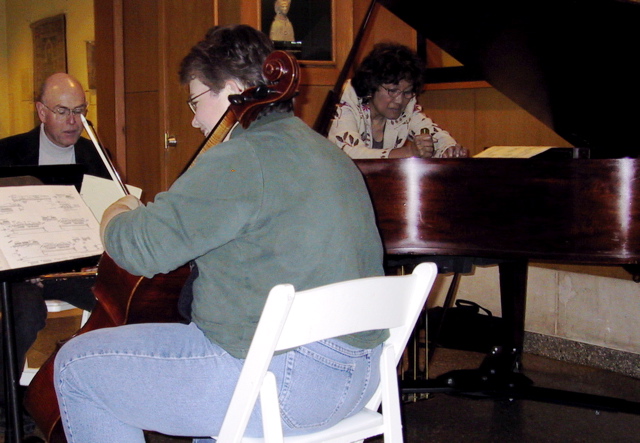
[(191, 102), (393, 93), (62, 112)]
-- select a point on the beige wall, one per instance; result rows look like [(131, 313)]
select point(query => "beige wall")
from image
[(584, 308), (16, 55), (4, 74)]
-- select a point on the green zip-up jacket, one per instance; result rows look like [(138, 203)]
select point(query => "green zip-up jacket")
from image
[(277, 203)]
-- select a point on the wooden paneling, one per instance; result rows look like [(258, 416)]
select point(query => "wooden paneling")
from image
[(108, 59), (141, 52), (309, 102), (454, 111), (144, 142), (228, 12), (482, 117), (384, 26), (501, 122)]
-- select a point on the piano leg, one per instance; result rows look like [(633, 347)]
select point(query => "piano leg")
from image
[(513, 299), (448, 303), (500, 374)]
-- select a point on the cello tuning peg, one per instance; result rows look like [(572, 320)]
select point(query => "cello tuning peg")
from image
[(237, 99), (261, 92)]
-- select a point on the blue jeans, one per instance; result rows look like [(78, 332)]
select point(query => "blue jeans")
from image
[(113, 383)]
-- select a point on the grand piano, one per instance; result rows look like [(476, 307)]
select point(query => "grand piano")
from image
[(571, 65)]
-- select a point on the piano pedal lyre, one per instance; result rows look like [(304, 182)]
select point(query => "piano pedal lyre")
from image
[(414, 362)]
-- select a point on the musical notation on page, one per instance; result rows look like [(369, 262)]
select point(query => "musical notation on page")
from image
[(45, 224)]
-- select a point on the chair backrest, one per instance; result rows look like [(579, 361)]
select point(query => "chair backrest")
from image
[(291, 319)]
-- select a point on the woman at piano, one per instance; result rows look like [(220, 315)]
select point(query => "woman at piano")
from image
[(378, 115)]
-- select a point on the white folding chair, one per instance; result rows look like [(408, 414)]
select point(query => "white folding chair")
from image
[(291, 319)]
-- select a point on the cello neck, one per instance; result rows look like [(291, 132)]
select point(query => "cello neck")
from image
[(215, 137), (282, 73)]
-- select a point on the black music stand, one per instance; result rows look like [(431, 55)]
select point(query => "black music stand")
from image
[(42, 175), (27, 176), (12, 373)]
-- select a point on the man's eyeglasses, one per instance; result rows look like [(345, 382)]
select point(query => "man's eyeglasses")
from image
[(62, 112), (191, 102), (393, 93)]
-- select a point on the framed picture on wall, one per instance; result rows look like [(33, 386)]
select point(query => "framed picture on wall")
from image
[(322, 33), (304, 27), (49, 48)]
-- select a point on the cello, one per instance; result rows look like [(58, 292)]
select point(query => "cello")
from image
[(123, 298)]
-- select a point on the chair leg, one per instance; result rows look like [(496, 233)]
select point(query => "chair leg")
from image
[(271, 422), (390, 398)]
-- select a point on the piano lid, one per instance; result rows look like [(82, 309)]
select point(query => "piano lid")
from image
[(570, 63)]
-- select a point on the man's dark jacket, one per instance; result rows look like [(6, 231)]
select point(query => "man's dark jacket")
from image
[(24, 150)]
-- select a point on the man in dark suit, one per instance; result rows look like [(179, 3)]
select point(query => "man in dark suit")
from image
[(60, 104), (24, 150), (56, 140)]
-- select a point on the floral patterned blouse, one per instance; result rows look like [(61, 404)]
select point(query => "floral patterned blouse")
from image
[(351, 128)]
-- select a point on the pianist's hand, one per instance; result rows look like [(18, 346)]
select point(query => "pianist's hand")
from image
[(424, 145), (455, 152)]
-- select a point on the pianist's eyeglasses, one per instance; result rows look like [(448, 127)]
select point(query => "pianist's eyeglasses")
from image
[(393, 93), (193, 104), (62, 112)]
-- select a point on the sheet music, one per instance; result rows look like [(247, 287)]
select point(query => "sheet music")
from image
[(98, 193), (45, 224), (512, 151)]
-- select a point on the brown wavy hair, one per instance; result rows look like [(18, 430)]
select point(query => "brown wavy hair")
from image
[(230, 52)]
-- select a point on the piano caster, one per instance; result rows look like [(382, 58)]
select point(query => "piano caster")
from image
[(497, 377), (415, 397), (477, 383)]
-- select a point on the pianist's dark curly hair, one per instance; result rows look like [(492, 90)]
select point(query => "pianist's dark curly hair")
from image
[(230, 52), (388, 63)]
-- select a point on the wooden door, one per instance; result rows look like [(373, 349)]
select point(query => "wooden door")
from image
[(198, 15), (141, 104)]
